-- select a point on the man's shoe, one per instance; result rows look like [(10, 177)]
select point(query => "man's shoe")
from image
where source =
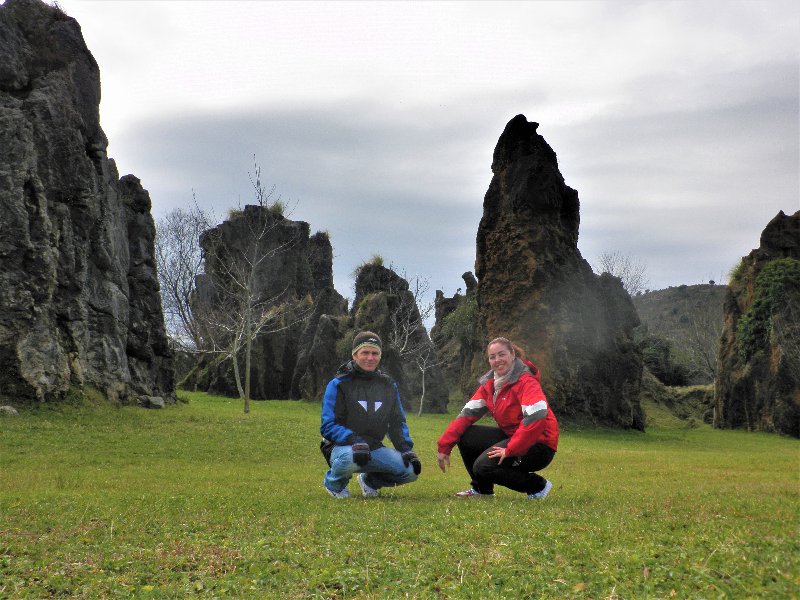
[(472, 493), (545, 490), (369, 492), (343, 494)]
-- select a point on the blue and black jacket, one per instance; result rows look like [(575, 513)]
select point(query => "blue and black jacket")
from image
[(361, 406)]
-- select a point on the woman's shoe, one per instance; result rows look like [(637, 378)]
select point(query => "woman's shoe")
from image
[(545, 490), (472, 493)]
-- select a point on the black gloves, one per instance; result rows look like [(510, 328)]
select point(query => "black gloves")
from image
[(361, 456), (360, 453), (411, 458)]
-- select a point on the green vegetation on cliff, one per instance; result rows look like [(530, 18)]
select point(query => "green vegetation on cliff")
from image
[(772, 287)]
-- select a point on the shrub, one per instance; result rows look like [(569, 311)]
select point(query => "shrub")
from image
[(736, 272), (772, 285), (278, 208), (344, 345), (376, 260), (461, 324), (658, 356)]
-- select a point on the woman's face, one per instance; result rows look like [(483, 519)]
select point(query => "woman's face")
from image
[(500, 358)]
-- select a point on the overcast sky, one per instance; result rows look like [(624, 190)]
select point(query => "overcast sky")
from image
[(676, 122)]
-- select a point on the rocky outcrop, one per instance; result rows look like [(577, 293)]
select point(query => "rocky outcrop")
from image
[(292, 274), (79, 300), (758, 382), (456, 335), (384, 304), (536, 289)]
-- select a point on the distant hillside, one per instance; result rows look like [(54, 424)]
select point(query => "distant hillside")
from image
[(670, 312), (690, 317)]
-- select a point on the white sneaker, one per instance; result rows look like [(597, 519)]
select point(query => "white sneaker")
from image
[(369, 492), (472, 493), (545, 490), (343, 494)]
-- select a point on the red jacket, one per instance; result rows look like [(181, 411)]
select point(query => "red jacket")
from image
[(521, 411)]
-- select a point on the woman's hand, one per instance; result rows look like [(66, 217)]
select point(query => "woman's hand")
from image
[(496, 451), (443, 460)]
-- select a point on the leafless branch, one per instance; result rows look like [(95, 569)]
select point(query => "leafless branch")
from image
[(633, 273)]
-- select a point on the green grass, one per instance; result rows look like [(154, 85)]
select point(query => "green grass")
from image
[(202, 500)]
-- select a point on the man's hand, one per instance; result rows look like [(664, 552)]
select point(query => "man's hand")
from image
[(411, 458), (443, 460), (361, 454)]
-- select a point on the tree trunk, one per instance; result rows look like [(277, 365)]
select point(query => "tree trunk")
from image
[(422, 397), (236, 374), (247, 351)]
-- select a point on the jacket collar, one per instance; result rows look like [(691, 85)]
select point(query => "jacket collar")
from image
[(350, 368)]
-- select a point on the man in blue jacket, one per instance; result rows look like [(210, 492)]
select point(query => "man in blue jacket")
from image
[(361, 406)]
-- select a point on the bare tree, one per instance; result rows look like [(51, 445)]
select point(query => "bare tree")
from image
[(426, 357), (704, 333), (408, 316), (407, 332), (633, 273), (179, 260)]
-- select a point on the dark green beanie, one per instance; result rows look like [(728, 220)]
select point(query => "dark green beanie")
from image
[(366, 338)]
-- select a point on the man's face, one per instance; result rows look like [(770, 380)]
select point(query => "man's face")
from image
[(367, 358)]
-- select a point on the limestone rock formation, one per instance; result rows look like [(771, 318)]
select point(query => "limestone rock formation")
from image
[(79, 300), (758, 382), (536, 289), (456, 335), (384, 304), (294, 272)]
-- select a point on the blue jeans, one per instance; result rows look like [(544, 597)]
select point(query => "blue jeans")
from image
[(384, 469)]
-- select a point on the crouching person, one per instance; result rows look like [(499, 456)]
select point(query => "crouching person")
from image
[(526, 438), (361, 406)]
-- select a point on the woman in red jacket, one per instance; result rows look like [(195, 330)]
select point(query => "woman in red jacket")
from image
[(526, 438)]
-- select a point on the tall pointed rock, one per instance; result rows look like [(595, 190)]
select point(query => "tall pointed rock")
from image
[(536, 289)]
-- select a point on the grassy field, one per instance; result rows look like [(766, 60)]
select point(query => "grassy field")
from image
[(202, 500)]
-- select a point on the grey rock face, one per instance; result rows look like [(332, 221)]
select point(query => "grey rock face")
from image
[(79, 302), (535, 288), (384, 304), (381, 296), (458, 343), (297, 269), (758, 379), (152, 402)]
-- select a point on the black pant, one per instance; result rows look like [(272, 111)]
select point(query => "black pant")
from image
[(516, 472)]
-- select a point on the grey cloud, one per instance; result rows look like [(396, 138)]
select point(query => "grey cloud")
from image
[(684, 186), (389, 187), (689, 188)]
